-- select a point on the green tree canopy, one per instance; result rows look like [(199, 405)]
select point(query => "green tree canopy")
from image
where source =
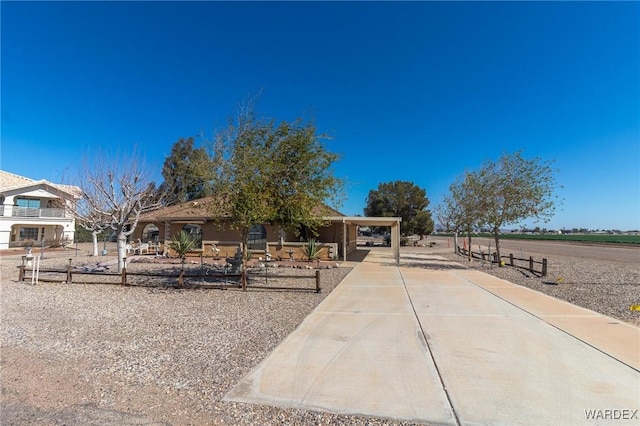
[(398, 199), (187, 171), (513, 189), (500, 193), (423, 223), (302, 175), (268, 172)]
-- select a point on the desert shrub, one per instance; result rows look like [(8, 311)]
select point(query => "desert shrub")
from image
[(312, 250), (27, 243), (182, 244), (57, 243)]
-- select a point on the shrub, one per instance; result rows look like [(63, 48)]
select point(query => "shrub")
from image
[(182, 243), (57, 243), (27, 243), (312, 250)]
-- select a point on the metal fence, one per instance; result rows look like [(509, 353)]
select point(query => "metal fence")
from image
[(36, 212)]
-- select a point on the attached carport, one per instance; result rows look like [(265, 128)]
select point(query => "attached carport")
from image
[(392, 222)]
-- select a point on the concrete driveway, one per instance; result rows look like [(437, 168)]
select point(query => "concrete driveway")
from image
[(432, 342)]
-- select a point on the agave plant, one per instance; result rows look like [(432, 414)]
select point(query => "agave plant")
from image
[(182, 244), (312, 250)]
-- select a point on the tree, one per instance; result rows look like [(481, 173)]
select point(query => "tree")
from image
[(423, 223), (271, 173), (187, 170), (302, 179), (447, 213), (89, 218), (513, 189), (461, 208), (114, 194), (398, 199)]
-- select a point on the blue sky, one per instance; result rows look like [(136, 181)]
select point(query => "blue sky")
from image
[(418, 91)]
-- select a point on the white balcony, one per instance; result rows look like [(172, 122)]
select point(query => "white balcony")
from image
[(36, 212)]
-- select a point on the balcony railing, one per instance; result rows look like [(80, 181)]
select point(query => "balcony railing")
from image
[(35, 212)]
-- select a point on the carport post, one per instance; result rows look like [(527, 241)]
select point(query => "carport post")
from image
[(344, 240), (395, 241)]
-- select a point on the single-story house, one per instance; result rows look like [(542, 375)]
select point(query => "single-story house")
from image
[(217, 238), (35, 212)]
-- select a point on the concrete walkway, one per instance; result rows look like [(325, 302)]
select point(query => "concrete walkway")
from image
[(436, 343)]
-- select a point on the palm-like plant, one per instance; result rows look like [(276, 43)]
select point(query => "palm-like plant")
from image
[(312, 250), (182, 244)]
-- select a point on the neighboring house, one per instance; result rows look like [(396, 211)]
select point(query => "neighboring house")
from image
[(33, 212), (217, 237)]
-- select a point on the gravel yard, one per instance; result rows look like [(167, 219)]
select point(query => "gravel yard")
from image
[(607, 287), (106, 354), (103, 354)]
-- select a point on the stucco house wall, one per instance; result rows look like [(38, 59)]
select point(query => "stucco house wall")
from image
[(220, 239), (35, 212)]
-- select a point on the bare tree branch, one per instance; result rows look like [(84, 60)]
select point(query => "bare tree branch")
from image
[(115, 193)]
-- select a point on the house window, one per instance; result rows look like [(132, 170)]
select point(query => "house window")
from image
[(28, 234), (28, 202), (195, 231), (257, 238)]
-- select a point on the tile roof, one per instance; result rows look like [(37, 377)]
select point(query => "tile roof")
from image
[(204, 208), (11, 180), (326, 211), (196, 209)]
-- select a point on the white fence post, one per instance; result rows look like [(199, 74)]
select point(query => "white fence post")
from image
[(35, 270)]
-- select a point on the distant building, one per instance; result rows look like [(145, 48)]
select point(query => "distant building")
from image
[(33, 212)]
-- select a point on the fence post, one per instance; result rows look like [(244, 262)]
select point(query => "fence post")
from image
[(21, 271), (37, 271), (243, 277), (511, 259), (317, 281), (531, 264), (544, 267), (266, 274), (69, 277), (124, 271)]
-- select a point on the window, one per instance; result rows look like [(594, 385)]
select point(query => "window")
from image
[(257, 238), (28, 234), (195, 231), (28, 202)]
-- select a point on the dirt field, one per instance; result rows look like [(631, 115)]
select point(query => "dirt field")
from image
[(609, 252)]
